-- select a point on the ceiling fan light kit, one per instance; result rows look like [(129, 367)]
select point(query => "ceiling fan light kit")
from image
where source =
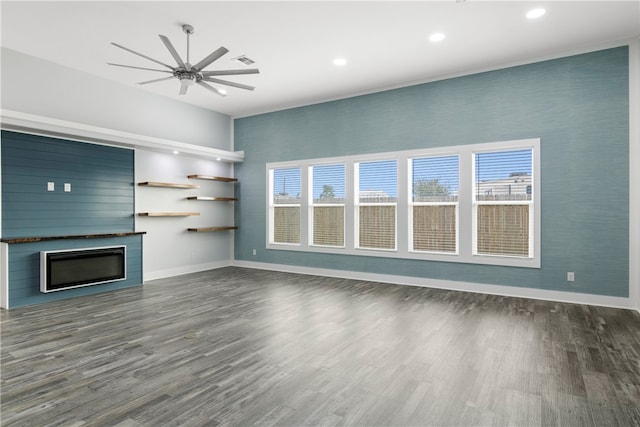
[(188, 74)]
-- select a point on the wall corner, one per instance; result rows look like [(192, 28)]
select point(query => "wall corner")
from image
[(634, 173)]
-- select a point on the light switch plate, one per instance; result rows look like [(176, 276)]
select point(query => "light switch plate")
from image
[(67, 187), (51, 186)]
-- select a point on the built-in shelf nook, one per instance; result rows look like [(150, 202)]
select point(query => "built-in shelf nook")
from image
[(197, 198)]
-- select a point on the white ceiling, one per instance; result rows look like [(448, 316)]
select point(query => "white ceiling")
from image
[(386, 43)]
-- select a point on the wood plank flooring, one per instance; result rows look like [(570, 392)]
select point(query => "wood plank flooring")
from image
[(242, 347)]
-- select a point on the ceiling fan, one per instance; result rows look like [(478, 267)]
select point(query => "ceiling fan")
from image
[(191, 74)]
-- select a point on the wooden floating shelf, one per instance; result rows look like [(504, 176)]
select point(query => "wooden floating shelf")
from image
[(169, 214), (203, 229), (213, 199), (166, 185), (213, 178)]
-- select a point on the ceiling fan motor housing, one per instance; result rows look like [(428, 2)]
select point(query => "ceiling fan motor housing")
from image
[(187, 78)]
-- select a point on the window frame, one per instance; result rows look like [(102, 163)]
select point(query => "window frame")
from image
[(271, 206), (412, 204), (465, 220), (477, 203), (358, 204), (312, 205)]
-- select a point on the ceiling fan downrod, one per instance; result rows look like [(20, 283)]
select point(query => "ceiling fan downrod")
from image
[(188, 30)]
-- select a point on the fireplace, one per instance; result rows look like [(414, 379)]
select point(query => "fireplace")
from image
[(75, 268)]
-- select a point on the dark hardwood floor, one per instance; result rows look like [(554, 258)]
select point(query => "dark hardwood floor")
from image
[(247, 347)]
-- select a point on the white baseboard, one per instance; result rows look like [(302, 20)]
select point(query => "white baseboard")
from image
[(170, 272), (509, 291)]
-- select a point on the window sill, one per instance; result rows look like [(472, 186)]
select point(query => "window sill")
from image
[(455, 258)]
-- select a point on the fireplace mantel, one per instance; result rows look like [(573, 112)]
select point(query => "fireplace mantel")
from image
[(77, 236)]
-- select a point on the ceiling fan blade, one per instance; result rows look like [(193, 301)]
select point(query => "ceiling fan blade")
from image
[(209, 87), (227, 83), (144, 56), (209, 59), (231, 72), (172, 50), (137, 68), (183, 89), (156, 80)]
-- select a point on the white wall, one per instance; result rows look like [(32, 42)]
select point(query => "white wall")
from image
[(35, 86), (169, 249)]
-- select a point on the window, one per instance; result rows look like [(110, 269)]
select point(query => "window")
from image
[(475, 203), (285, 206), (376, 202), (433, 210), (327, 205), (502, 203)]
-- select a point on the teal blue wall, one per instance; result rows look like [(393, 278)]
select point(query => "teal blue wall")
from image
[(102, 193), (101, 201), (578, 106)]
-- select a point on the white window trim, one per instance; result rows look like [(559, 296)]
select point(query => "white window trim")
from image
[(312, 205), (465, 205), (358, 203), (411, 204), (271, 208), (534, 214)]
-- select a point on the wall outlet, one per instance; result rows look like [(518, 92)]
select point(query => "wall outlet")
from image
[(254, 252), (51, 186), (571, 277)]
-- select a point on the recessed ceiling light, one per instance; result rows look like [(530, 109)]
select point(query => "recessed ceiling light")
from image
[(176, 152), (218, 158), (339, 62), (222, 91), (536, 13), (436, 37)]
